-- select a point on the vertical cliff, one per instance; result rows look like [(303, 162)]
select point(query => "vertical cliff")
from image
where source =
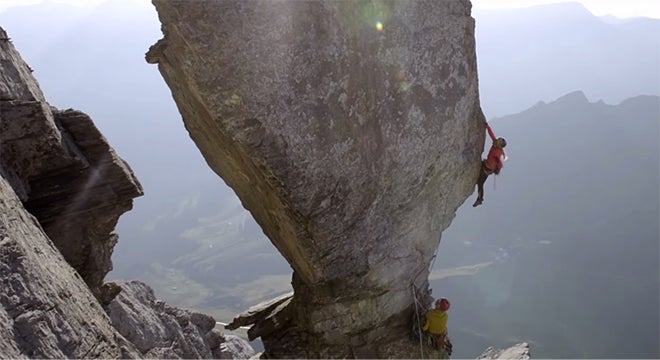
[(48, 166), (62, 189), (46, 311), (63, 170), (351, 131)]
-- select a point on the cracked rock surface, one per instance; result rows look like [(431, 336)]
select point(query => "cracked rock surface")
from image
[(47, 311), (161, 331), (351, 144), (63, 170), (47, 163), (62, 189)]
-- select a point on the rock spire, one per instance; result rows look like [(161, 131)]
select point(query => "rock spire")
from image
[(351, 131)]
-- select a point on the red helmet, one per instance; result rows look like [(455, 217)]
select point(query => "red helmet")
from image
[(443, 304)]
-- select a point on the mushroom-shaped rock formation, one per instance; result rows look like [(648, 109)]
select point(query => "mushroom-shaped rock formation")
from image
[(352, 131)]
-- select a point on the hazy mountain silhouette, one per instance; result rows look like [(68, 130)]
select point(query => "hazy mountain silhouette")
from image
[(572, 231), (542, 52)]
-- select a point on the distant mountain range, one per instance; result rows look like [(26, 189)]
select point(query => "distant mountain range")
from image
[(570, 232), (542, 52)]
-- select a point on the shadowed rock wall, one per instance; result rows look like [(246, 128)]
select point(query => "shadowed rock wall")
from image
[(46, 309), (351, 130), (63, 169), (62, 189)]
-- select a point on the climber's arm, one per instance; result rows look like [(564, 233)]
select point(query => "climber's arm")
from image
[(491, 133)]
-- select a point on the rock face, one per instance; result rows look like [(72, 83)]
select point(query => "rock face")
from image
[(164, 332), (351, 130), (62, 189), (46, 310), (63, 170), (519, 351)]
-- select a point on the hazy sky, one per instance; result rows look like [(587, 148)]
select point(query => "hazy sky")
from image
[(618, 8)]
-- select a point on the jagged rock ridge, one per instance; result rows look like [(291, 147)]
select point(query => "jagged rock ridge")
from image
[(62, 189), (64, 171), (518, 351), (48, 311), (161, 331), (351, 143)]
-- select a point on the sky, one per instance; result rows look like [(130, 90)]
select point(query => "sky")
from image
[(618, 8)]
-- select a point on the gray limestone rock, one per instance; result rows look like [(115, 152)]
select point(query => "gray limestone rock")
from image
[(519, 351), (259, 313), (162, 331), (63, 169), (46, 310), (234, 347), (58, 166), (351, 130)]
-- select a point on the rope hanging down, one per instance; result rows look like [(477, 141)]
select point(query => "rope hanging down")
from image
[(419, 323), (435, 255), (418, 304)]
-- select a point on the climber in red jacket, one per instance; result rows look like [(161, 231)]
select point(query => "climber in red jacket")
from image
[(493, 163)]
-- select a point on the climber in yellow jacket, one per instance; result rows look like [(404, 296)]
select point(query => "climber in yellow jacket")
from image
[(436, 328)]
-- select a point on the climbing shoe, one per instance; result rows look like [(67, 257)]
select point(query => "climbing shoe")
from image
[(477, 203)]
